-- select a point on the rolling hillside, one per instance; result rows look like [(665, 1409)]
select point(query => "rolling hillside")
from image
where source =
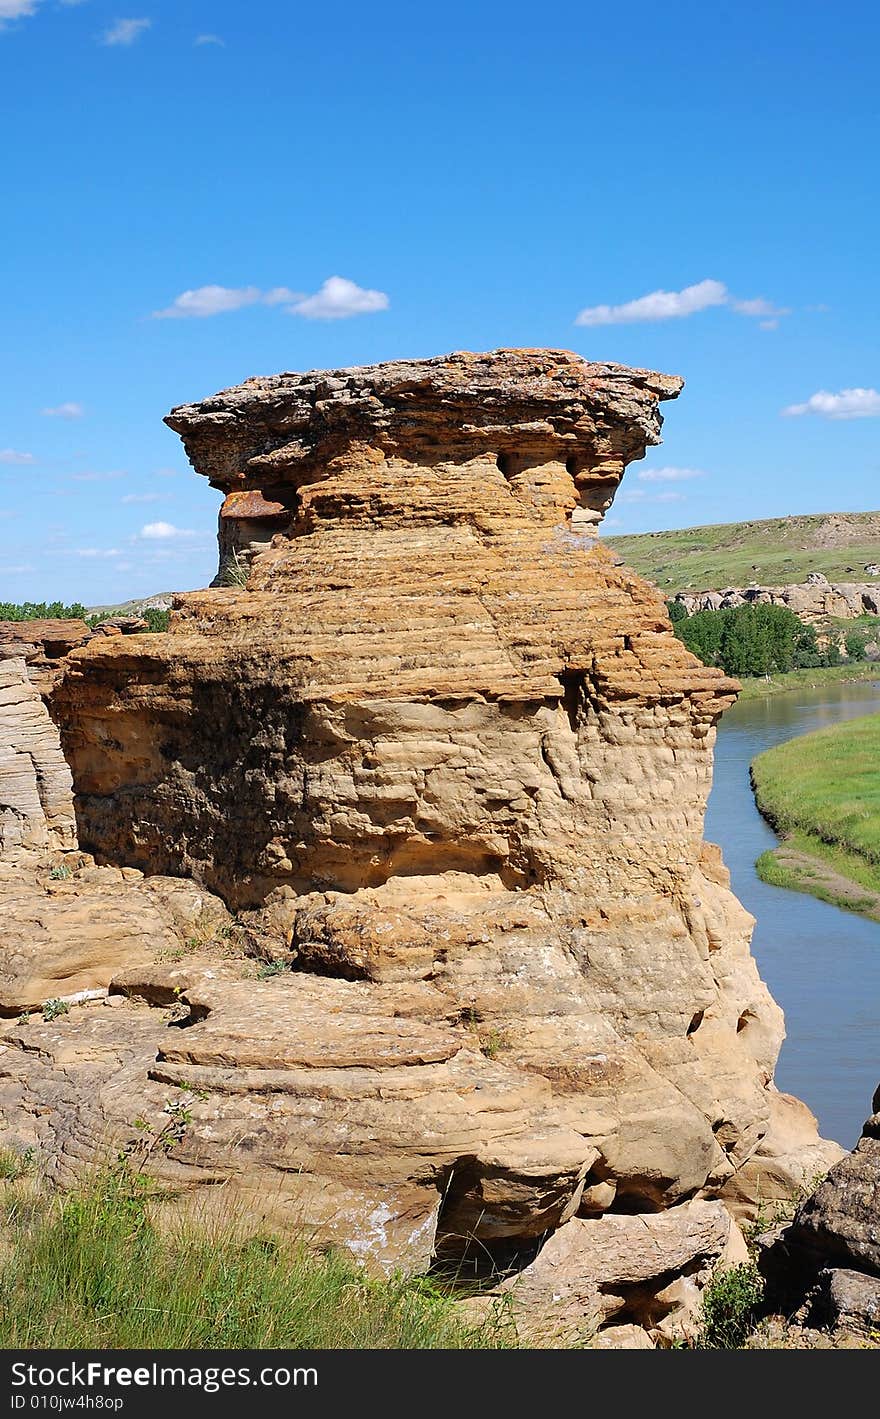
[(776, 552)]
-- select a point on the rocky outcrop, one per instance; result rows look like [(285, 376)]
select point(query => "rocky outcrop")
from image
[(447, 763), (604, 1273), (812, 600), (36, 793), (827, 1259)]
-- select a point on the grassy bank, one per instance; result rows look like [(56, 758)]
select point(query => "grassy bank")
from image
[(760, 687), (89, 1271), (821, 793)]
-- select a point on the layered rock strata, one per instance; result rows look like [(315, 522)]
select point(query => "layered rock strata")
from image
[(447, 762)]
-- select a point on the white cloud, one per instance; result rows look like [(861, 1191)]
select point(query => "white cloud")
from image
[(18, 570), (70, 410), (674, 305), (142, 498), (166, 472), (669, 475), (16, 10), (12, 455), (208, 300), (658, 305), (281, 295), (125, 31), (163, 531), (848, 404), (641, 495), (91, 477), (339, 298), (210, 39), (97, 552), (759, 307)]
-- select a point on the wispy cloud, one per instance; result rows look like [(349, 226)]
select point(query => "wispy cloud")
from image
[(93, 477), (142, 498), (70, 410), (16, 10), (125, 32), (675, 305), (96, 552), (12, 455), (205, 301), (210, 39), (164, 531), (669, 474), (166, 473), (641, 495), (337, 299), (847, 404)]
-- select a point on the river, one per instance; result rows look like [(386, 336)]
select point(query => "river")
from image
[(821, 964)]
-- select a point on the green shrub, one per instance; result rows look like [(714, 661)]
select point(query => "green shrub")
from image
[(856, 645), (731, 1306), (156, 620)]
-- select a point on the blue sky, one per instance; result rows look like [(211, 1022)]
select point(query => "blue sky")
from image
[(476, 175)]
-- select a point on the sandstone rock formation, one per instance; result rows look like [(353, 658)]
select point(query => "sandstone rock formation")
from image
[(813, 600), (36, 793), (827, 1259), (447, 763)]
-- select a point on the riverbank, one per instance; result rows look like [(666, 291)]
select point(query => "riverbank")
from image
[(821, 793), (761, 686)]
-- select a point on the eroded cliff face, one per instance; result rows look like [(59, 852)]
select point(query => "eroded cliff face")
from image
[(447, 761)]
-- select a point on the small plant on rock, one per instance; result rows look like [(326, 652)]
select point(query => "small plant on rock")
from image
[(272, 968), (59, 874), (236, 571), (55, 1007), (14, 1165), (730, 1307)]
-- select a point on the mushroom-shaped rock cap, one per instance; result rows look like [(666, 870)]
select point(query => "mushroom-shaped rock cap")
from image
[(537, 404)]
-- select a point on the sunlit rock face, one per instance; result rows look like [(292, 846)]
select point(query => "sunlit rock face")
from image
[(446, 759)]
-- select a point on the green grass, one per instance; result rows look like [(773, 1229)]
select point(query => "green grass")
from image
[(759, 688), (778, 551), (89, 1270), (821, 793), (803, 863)]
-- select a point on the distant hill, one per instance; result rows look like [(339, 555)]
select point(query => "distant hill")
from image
[(161, 601), (776, 552)]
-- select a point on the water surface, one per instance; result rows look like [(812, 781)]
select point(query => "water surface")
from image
[(821, 964)]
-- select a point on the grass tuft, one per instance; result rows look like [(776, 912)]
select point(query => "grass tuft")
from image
[(89, 1270)]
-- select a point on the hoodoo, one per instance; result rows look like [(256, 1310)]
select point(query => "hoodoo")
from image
[(444, 758)]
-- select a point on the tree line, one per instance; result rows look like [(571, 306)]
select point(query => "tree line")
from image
[(759, 640), (59, 611)]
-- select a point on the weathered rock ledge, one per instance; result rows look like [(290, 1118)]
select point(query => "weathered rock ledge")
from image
[(813, 600), (444, 759)]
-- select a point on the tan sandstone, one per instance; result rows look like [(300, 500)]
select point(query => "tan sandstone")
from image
[(447, 763)]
